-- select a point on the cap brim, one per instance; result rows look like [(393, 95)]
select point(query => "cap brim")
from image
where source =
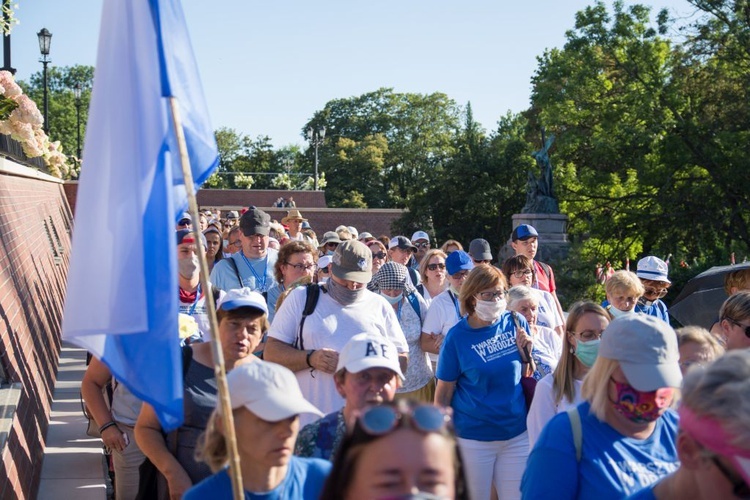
[(373, 362), (279, 406), (358, 276), (230, 305), (652, 278), (264, 230), (482, 256), (647, 378)]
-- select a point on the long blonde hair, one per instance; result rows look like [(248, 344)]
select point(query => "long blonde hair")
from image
[(563, 376), (212, 446)]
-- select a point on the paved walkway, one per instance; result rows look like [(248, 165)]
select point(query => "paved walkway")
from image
[(73, 468)]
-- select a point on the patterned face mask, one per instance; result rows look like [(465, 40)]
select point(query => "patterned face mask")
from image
[(640, 407)]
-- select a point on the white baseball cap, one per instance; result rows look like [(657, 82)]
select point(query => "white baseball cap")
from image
[(420, 235), (242, 297), (369, 350), (653, 268), (268, 390), (324, 261)]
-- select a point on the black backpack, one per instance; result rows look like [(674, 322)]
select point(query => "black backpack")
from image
[(313, 291)]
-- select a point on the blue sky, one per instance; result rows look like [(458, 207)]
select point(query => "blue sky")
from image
[(267, 66)]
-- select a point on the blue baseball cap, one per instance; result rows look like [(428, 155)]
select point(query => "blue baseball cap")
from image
[(183, 234), (458, 261), (523, 232)]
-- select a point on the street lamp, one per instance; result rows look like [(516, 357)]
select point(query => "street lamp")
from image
[(45, 38), (77, 94), (316, 136)]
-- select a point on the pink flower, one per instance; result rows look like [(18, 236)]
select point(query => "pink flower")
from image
[(10, 87), (27, 111)]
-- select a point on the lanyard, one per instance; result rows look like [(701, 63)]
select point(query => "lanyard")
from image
[(261, 287), (455, 304)]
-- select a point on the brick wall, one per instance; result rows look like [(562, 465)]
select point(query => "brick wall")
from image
[(34, 248), (312, 204)]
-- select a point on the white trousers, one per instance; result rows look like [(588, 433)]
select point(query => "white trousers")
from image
[(495, 462), (126, 465)]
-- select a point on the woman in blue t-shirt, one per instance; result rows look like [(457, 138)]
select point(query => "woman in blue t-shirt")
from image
[(479, 376), (622, 438), (266, 403)]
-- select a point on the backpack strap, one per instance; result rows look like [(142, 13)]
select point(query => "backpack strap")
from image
[(233, 264), (547, 270), (577, 429), (412, 298), (414, 276), (187, 358), (312, 294), (420, 289), (216, 293)]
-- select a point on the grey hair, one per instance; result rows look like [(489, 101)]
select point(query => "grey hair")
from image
[(721, 390), (519, 293)]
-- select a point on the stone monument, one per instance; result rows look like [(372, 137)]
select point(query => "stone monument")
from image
[(542, 210)]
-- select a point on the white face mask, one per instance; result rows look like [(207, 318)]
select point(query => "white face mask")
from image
[(393, 300), (490, 310), (188, 268), (618, 313)]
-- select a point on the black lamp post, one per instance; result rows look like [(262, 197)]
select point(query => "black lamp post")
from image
[(77, 94), (316, 136), (45, 38)]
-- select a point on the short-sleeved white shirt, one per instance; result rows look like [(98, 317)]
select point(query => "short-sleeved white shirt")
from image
[(331, 326)]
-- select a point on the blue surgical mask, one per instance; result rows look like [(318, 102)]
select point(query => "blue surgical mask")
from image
[(393, 300), (586, 352)]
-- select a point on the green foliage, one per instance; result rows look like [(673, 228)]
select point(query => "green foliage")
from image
[(384, 145)]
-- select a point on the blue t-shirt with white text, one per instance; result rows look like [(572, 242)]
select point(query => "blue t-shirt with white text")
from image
[(611, 466), (488, 402)]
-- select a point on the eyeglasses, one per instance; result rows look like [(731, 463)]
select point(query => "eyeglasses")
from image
[(522, 273), (379, 255), (236, 243), (491, 296), (460, 275), (659, 292), (435, 267), (380, 420), (588, 335), (746, 328), (741, 488), (422, 245), (302, 267)]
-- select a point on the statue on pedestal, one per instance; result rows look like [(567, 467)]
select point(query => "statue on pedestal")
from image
[(540, 195)]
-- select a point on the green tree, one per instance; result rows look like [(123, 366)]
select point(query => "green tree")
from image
[(418, 132)]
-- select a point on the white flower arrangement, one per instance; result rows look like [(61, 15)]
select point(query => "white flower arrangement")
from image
[(20, 118)]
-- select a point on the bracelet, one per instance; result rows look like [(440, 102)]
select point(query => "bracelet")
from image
[(107, 426), (307, 359)]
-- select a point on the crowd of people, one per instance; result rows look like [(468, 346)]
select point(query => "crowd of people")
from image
[(364, 366)]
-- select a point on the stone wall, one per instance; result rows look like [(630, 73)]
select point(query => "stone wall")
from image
[(35, 223)]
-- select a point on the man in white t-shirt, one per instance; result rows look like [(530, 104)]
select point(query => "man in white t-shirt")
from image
[(344, 308)]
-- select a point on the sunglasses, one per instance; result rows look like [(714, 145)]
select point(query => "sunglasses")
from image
[(380, 420), (379, 255), (745, 328), (331, 245), (434, 267), (659, 292), (422, 245)]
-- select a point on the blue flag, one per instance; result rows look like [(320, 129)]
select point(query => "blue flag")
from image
[(122, 298)]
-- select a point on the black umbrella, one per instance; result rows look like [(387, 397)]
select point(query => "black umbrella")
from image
[(700, 300)]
